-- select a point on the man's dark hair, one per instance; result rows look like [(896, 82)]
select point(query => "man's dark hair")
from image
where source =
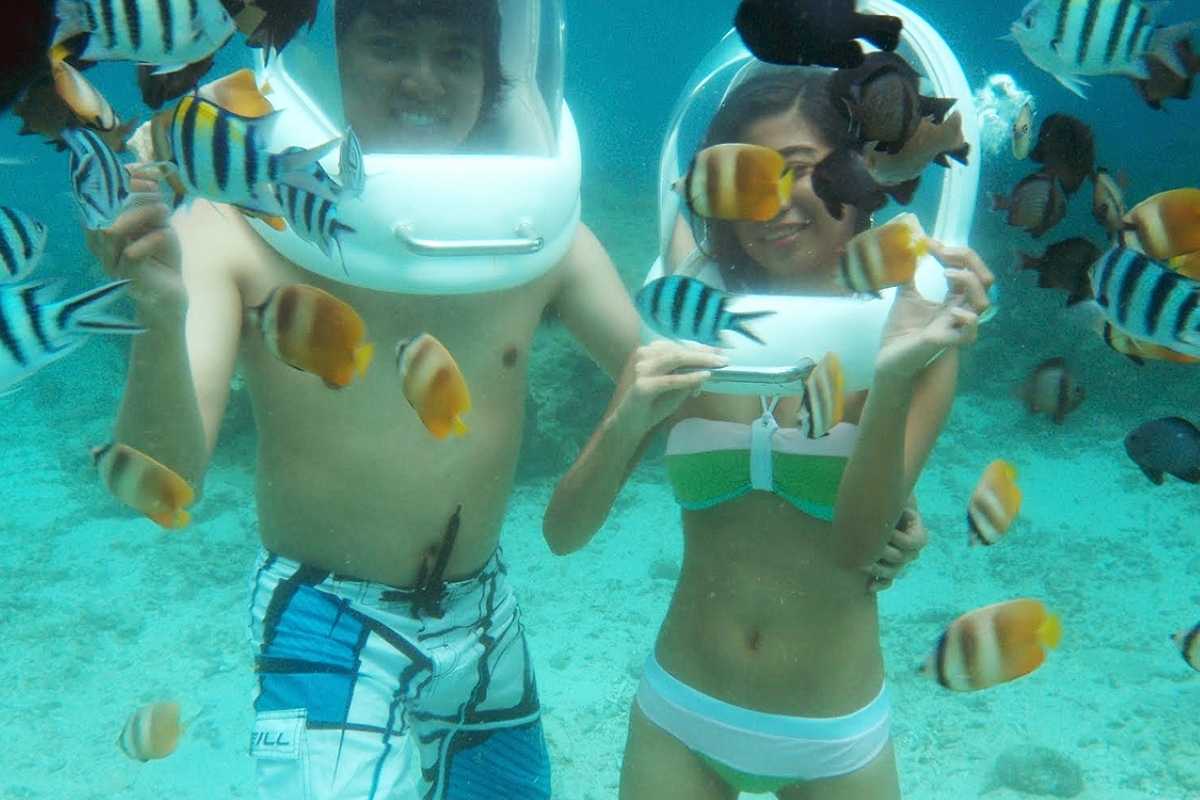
[(471, 16)]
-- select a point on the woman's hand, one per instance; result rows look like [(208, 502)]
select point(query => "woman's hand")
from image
[(656, 380), (917, 331), (907, 541), (140, 246)]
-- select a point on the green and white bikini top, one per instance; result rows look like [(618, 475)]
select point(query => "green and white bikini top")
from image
[(710, 462)]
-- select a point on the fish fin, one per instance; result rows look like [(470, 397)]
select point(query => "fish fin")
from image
[(936, 107), (1075, 84), (459, 427), (961, 155), (1162, 47), (1155, 476), (878, 29), (72, 20), (73, 313), (1191, 476), (171, 520), (1141, 362), (166, 69), (785, 186), (106, 324), (903, 193), (738, 322), (362, 357), (842, 55), (299, 161), (1049, 633)]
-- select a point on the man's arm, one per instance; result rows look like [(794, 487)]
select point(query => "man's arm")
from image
[(186, 294), (594, 304)]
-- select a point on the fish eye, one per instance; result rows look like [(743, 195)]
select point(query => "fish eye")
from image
[(1028, 20)]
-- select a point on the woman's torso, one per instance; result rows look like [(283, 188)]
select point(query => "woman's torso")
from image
[(762, 616)]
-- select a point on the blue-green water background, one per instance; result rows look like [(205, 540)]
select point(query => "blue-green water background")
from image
[(626, 63)]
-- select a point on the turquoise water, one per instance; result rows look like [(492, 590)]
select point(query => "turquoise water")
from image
[(105, 611)]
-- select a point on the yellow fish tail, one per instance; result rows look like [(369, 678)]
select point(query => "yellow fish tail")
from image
[(172, 520), (786, 182), (1050, 631), (362, 357)]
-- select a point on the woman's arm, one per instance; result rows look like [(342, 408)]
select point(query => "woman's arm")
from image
[(897, 431), (648, 393), (915, 378)]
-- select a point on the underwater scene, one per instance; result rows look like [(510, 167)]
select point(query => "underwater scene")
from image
[(464, 399)]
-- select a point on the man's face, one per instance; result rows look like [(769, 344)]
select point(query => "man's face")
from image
[(410, 85)]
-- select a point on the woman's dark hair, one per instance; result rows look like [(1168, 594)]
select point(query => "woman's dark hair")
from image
[(804, 90), (472, 16)]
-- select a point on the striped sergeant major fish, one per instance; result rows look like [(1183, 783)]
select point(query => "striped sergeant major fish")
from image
[(22, 243), (98, 179), (222, 156), (167, 33), (1148, 300), (313, 217), (686, 308), (36, 330), (1069, 38)]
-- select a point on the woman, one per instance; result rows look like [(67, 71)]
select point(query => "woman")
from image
[(767, 674)]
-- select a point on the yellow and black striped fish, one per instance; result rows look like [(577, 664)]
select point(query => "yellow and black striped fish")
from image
[(222, 156), (168, 33), (1070, 38), (22, 243), (1148, 300)]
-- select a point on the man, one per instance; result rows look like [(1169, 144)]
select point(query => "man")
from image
[(360, 645)]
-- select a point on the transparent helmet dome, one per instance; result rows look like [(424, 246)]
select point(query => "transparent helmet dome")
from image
[(470, 153), (944, 204)]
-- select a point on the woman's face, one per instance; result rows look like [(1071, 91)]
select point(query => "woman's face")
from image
[(411, 87), (800, 248)]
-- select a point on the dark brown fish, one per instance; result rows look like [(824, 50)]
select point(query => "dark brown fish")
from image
[(1065, 265), (1066, 149), (24, 40), (932, 143), (823, 32), (1037, 204), (1051, 389), (160, 89), (271, 24), (1166, 446), (842, 179), (1163, 83), (883, 101)]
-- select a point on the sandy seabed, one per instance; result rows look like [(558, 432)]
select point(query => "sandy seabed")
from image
[(103, 612)]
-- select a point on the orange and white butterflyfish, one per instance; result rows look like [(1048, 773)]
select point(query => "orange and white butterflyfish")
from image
[(146, 485), (1167, 224), (85, 100), (433, 385), (994, 644), (737, 182), (824, 403), (1187, 265), (311, 330), (151, 732), (885, 256), (1188, 642), (994, 503)]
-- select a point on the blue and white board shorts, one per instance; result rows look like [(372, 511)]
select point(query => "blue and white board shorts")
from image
[(369, 692)]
